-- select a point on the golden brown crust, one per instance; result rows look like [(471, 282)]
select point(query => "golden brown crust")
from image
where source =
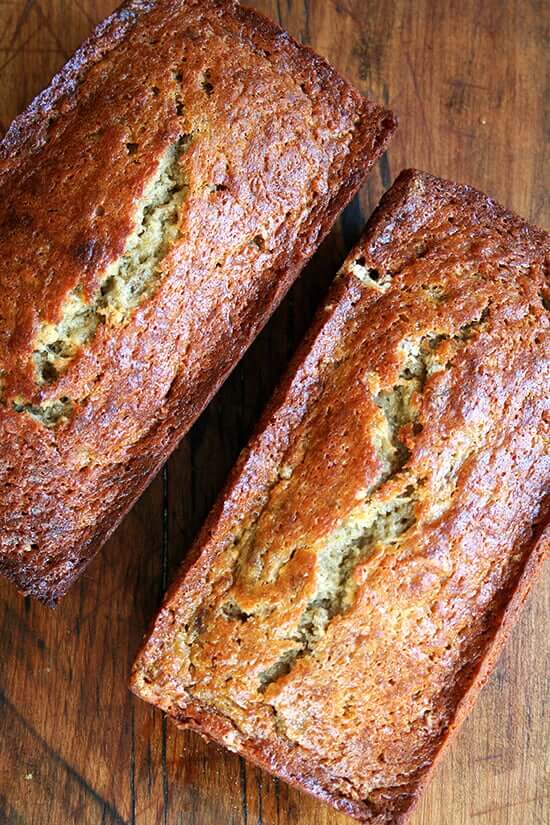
[(271, 145), (407, 448)]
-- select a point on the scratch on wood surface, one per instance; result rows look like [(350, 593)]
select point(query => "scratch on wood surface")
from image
[(490, 757), (420, 100), (306, 37), (244, 799), (34, 50), (50, 657), (8, 816), (492, 808), (468, 84), (385, 172), (133, 766), (13, 623), (107, 598), (85, 12), (49, 28), (369, 53), (346, 7), (260, 790), (21, 20), (461, 132), (14, 54), (73, 774), (277, 785)]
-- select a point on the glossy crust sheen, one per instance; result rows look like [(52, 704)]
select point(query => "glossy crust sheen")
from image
[(276, 143), (359, 715)]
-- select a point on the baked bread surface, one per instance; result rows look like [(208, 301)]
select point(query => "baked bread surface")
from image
[(350, 592), (156, 202)]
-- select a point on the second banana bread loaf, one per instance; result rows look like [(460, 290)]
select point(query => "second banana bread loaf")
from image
[(350, 592)]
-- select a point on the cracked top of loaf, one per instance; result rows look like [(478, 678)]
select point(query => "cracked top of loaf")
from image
[(350, 591), (156, 202)]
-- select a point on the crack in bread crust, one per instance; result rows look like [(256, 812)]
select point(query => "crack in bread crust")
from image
[(125, 283), (376, 521)]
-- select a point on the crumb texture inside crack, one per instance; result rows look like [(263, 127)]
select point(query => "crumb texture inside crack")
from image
[(125, 283)]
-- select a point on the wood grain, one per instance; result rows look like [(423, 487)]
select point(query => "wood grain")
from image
[(467, 81)]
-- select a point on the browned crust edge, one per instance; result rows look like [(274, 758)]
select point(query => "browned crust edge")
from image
[(392, 209), (26, 134), (515, 605)]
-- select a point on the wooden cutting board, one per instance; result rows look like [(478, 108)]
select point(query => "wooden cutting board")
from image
[(467, 80)]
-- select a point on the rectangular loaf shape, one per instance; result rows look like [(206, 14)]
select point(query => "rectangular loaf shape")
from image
[(350, 592), (156, 202)]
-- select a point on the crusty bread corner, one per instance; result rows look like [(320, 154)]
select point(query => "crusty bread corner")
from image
[(351, 590)]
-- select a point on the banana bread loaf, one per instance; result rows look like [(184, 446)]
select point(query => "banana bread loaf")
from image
[(350, 591), (156, 202)]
